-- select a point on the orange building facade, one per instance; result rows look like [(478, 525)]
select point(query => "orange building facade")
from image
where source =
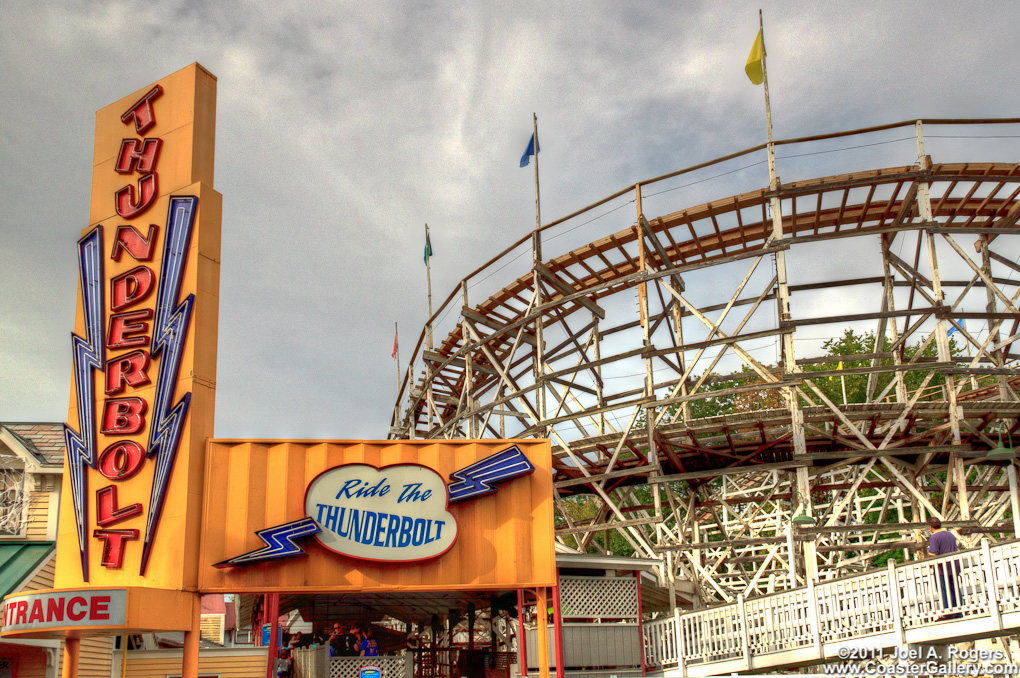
[(155, 512)]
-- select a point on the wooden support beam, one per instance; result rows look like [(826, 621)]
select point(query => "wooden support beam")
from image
[(568, 290), (749, 468), (648, 233), (864, 316), (587, 480), (613, 525), (482, 319), (434, 357)]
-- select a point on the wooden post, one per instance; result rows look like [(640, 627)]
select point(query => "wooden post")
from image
[(789, 358), (816, 630), (469, 403), (522, 644), (542, 626), (992, 307), (992, 591), (792, 552), (271, 606), (938, 297), (596, 341), (189, 664), (745, 640), (1014, 497), (652, 456), (69, 667), (640, 624), (680, 649), (471, 626), (558, 631), (536, 256), (804, 488), (895, 600)]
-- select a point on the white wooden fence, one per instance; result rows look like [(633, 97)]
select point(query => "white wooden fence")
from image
[(962, 596)]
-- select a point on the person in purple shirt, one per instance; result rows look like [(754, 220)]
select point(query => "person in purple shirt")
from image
[(940, 543)]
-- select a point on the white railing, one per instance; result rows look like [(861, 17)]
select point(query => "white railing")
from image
[(967, 594), (660, 643)]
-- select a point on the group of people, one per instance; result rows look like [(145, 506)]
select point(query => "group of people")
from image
[(352, 641), (344, 641)]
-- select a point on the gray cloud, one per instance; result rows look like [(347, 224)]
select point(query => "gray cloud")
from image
[(343, 128)]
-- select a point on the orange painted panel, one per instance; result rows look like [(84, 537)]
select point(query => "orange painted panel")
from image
[(505, 539)]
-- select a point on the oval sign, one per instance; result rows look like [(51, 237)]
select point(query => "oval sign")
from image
[(395, 513)]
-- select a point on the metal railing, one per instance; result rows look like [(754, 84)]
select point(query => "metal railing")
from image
[(964, 595)]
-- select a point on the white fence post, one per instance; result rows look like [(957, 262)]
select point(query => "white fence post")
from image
[(895, 602), (681, 659), (992, 592), (816, 631), (744, 636)]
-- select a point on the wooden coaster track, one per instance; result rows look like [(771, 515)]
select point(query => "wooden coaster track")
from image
[(706, 470)]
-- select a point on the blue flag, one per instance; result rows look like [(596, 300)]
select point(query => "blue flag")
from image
[(531, 150)]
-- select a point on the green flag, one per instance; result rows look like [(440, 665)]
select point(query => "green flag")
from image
[(428, 248)]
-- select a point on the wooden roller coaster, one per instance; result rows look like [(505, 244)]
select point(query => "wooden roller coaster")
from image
[(673, 437)]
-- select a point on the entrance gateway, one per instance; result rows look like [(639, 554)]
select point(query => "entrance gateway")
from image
[(157, 513)]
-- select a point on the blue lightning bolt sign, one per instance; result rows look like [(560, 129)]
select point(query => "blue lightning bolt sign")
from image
[(470, 482), (87, 355), (170, 329), (481, 477), (279, 543)]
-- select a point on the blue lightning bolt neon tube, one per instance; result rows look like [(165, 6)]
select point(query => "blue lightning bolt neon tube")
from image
[(87, 355), (482, 476), (279, 543), (169, 332)]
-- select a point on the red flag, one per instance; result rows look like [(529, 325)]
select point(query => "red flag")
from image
[(393, 353)]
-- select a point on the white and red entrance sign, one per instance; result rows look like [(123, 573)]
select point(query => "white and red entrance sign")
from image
[(100, 607), (395, 513)]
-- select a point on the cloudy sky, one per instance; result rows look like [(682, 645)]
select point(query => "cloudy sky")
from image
[(342, 128)]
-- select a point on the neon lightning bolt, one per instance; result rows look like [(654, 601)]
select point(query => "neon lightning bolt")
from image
[(87, 355), (169, 331), (279, 543), (482, 476)]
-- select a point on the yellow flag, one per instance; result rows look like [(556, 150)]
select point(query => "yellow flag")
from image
[(754, 61)]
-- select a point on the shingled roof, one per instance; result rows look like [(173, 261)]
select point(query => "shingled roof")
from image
[(44, 440)]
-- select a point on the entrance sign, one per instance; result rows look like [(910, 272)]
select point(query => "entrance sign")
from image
[(144, 346), (396, 513), (54, 609), (143, 365)]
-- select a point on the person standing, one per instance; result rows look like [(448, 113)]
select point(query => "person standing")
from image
[(283, 664), (342, 643), (369, 646), (940, 543)]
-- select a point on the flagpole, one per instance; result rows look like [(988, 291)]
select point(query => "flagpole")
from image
[(538, 200), (428, 329), (396, 342), (536, 251), (428, 284), (768, 107)]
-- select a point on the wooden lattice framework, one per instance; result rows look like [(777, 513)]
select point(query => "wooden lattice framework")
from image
[(561, 352)]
